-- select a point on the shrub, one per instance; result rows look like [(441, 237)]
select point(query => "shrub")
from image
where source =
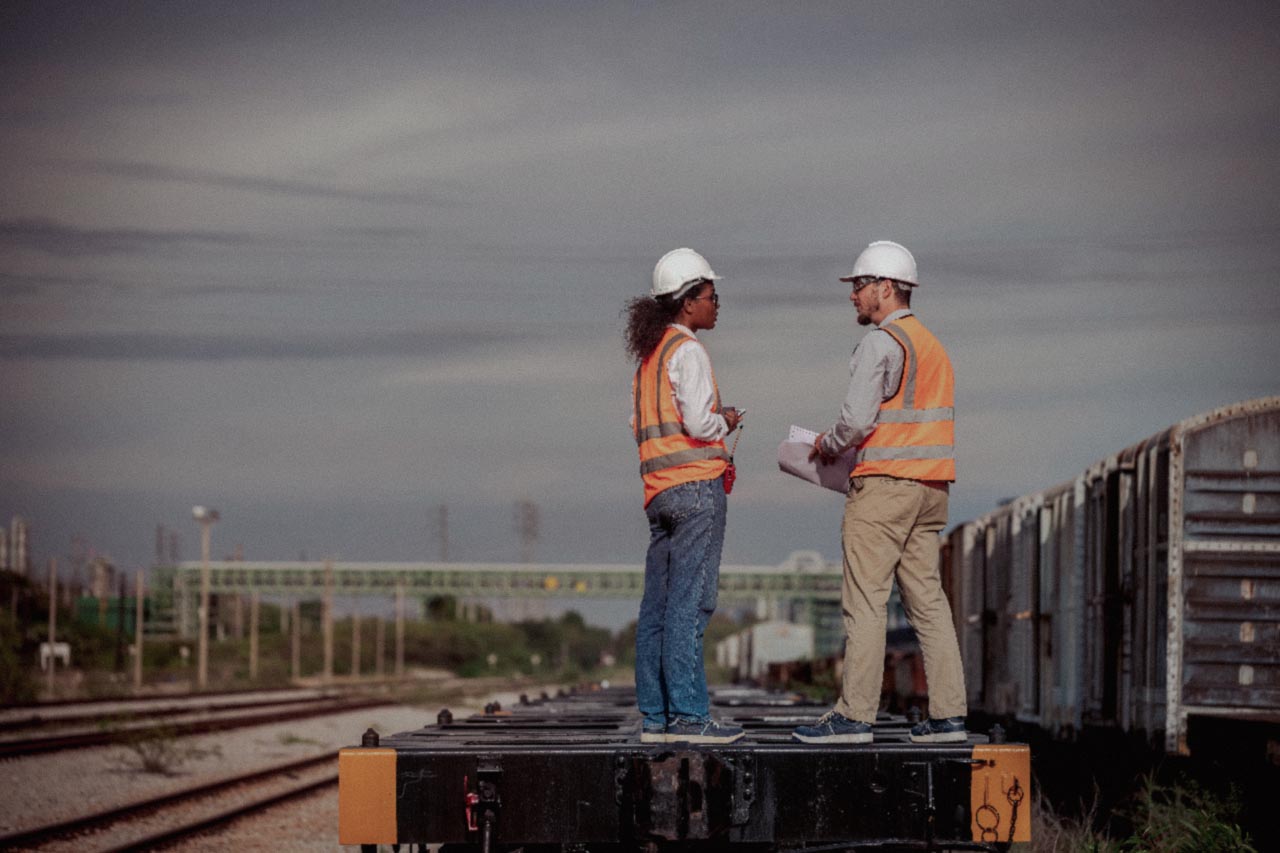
[(1184, 818), (157, 749)]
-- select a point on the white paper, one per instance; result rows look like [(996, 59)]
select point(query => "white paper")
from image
[(797, 433), (793, 458)]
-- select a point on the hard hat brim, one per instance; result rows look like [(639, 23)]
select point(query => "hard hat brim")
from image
[(692, 283), (900, 281)]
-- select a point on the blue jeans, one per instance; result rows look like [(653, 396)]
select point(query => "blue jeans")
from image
[(681, 578)]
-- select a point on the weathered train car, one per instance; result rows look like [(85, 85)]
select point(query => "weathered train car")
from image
[(571, 773), (1142, 595)]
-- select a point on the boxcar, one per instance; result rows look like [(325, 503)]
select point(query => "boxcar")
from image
[(1142, 595)]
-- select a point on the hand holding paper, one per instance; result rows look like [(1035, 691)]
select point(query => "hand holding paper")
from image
[(793, 457)]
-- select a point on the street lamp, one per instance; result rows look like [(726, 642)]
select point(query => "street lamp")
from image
[(205, 517)]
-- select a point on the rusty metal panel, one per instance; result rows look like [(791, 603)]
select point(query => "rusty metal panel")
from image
[(1225, 484), (1231, 629)]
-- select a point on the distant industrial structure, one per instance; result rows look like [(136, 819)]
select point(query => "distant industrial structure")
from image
[(804, 588)]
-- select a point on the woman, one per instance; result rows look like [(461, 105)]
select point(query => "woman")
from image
[(679, 426)]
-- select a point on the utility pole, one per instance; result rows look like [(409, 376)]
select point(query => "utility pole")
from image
[(355, 645), (206, 518), (379, 645), (120, 626), (295, 654), (254, 605), (327, 621), (400, 628), (53, 620), (138, 613)]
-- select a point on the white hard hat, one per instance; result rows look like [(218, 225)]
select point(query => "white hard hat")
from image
[(885, 259), (678, 268)]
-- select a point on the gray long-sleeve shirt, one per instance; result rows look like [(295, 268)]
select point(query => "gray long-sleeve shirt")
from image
[(875, 371)]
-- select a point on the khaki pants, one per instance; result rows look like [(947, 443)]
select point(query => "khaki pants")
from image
[(891, 530)]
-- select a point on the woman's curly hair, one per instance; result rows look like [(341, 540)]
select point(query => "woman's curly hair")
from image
[(647, 321)]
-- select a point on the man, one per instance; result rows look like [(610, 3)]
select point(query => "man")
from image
[(899, 415), (679, 427)]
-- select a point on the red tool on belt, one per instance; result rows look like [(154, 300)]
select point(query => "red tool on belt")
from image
[(730, 472)]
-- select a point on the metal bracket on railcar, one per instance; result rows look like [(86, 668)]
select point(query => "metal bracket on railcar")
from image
[(690, 795)]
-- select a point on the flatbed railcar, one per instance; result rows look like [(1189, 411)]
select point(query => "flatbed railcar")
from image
[(570, 773), (1141, 597)]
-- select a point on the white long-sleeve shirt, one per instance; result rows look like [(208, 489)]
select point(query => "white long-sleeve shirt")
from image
[(875, 371), (689, 370)]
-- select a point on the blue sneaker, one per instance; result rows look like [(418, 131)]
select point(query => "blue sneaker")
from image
[(834, 727), (950, 730), (702, 731), (653, 732)]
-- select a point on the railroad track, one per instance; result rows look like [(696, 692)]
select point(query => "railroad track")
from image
[(13, 748), (143, 710), (153, 823)]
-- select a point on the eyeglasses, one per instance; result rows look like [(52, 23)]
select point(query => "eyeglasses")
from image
[(863, 280), (714, 297)]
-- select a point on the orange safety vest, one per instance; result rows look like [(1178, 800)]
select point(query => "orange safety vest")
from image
[(669, 456), (914, 437)]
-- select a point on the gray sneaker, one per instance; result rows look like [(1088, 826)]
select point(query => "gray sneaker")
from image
[(950, 730), (703, 731), (834, 727)]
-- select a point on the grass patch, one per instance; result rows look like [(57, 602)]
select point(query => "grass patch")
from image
[(1181, 817), (159, 750)]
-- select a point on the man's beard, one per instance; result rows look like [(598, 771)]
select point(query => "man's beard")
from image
[(864, 320)]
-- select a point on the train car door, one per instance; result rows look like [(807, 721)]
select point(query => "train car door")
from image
[(1059, 613), (1125, 542), (970, 566), (1024, 625), (1115, 645), (1101, 591)]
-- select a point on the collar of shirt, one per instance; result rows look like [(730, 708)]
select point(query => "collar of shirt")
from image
[(685, 329), (896, 315)]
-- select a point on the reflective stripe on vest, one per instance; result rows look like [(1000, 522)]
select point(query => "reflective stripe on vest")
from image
[(873, 454), (915, 428), (669, 456), (671, 460), (666, 347)]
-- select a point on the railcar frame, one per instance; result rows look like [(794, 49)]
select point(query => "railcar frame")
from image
[(571, 773)]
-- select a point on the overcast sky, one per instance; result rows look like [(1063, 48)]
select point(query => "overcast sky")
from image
[(328, 267)]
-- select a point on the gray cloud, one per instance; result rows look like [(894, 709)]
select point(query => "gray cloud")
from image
[(144, 347), (55, 238), (259, 184)]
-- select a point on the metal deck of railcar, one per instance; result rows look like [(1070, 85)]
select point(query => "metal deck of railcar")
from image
[(571, 773)]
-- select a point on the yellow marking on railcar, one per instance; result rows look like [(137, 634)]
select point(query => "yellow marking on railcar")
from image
[(1000, 793), (367, 796)]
